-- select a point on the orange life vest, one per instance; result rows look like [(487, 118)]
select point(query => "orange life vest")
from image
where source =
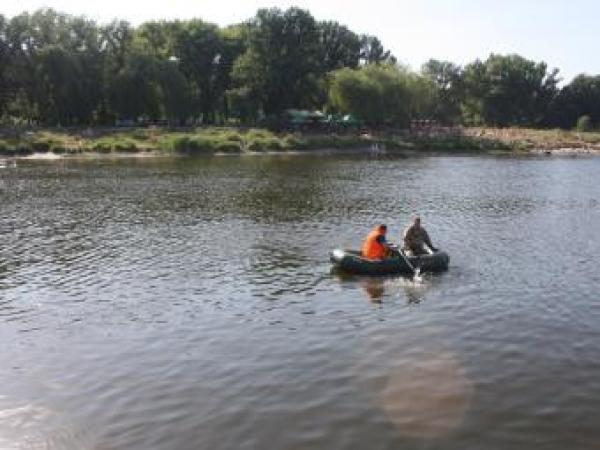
[(372, 249)]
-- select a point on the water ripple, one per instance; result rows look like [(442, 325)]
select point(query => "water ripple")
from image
[(183, 303)]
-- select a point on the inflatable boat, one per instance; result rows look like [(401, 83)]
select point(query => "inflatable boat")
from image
[(351, 261)]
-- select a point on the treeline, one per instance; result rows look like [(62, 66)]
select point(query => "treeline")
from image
[(57, 69)]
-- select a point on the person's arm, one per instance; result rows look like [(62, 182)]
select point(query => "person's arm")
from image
[(428, 241), (426, 238), (391, 249), (382, 241), (408, 237)]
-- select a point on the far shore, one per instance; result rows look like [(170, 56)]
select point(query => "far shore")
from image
[(144, 142)]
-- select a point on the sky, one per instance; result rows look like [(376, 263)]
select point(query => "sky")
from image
[(564, 34)]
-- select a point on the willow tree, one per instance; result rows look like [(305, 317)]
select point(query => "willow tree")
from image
[(380, 94)]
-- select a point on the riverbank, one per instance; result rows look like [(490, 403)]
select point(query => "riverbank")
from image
[(226, 140), (555, 141)]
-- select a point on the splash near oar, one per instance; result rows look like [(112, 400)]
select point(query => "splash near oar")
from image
[(416, 271)]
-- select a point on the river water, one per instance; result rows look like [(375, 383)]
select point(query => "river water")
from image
[(188, 304)]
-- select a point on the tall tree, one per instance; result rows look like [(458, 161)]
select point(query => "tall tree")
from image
[(135, 91), (197, 46), (448, 95), (174, 91), (280, 68), (380, 94), (4, 64), (59, 90), (509, 90), (373, 52), (339, 46), (233, 39), (579, 98)]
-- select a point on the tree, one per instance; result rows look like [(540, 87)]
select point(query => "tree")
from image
[(280, 68), (116, 40), (373, 52), (509, 90), (449, 90), (197, 46), (174, 92), (19, 75), (579, 98), (380, 94), (233, 39), (339, 46), (4, 63), (59, 88), (135, 91)]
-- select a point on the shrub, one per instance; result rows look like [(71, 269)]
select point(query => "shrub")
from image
[(140, 135), (232, 136), (192, 144), (291, 142), (228, 147), (584, 123), (257, 133), (57, 148), (41, 146), (101, 147), (22, 148), (262, 144), (125, 146)]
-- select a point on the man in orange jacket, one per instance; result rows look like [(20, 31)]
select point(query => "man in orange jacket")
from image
[(375, 246)]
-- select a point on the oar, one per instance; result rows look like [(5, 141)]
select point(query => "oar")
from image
[(416, 272)]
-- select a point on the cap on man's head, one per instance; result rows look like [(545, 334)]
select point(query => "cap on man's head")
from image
[(382, 228)]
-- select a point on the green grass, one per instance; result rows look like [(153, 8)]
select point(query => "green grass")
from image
[(211, 140)]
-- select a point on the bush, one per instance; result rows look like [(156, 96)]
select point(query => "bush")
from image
[(102, 147), (125, 146), (291, 142), (58, 149), (22, 148), (41, 146), (232, 136), (257, 133), (192, 144), (584, 123), (262, 144), (141, 135), (228, 147)]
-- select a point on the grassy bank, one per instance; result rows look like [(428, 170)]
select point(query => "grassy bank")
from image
[(232, 140)]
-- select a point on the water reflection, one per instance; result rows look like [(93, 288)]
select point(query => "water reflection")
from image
[(378, 288), (31, 426), (374, 288)]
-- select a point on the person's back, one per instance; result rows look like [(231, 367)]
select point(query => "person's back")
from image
[(374, 246), (416, 239)]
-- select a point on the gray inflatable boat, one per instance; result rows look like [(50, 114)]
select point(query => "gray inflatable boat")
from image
[(351, 261)]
